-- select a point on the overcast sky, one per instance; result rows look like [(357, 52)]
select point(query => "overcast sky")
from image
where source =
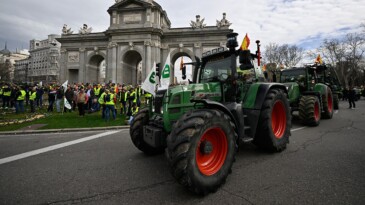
[(302, 22)]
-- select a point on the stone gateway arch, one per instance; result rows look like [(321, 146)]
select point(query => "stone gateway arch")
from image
[(139, 34)]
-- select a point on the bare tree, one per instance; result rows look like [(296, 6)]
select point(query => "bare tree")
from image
[(345, 55), (291, 55), (272, 54), (283, 55), (355, 54)]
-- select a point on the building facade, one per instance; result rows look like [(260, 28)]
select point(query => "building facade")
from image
[(43, 62), (139, 34), (8, 61)]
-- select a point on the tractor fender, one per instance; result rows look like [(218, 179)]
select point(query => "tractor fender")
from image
[(256, 95), (228, 109)]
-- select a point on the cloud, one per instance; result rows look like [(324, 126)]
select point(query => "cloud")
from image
[(302, 22)]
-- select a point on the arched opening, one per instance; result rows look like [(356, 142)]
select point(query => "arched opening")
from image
[(132, 69), (178, 73), (96, 69)]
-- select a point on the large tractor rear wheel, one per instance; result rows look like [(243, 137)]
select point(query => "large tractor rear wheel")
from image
[(309, 110), (136, 132), (328, 105), (336, 101), (201, 149), (273, 129)]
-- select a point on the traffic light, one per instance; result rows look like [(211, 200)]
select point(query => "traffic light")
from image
[(158, 70)]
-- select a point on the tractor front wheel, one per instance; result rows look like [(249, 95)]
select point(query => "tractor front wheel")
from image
[(328, 105), (201, 150), (136, 132), (273, 129), (309, 110)]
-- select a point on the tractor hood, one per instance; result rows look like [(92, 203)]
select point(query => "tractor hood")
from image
[(182, 94), (177, 100)]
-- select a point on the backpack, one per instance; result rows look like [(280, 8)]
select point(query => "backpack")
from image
[(107, 98)]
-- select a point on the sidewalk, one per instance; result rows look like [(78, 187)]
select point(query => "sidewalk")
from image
[(63, 130)]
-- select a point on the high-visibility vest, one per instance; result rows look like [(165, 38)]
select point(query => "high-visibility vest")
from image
[(134, 94), (22, 96), (139, 92), (101, 99), (7, 93), (111, 101), (33, 95), (148, 95), (135, 111), (97, 91), (123, 96), (1, 91)]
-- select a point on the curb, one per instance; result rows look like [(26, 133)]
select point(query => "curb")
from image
[(16, 132)]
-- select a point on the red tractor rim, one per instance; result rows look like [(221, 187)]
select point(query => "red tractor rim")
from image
[(278, 119), (210, 162), (330, 102), (316, 111)]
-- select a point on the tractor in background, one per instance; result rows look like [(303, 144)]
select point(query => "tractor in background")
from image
[(328, 75), (200, 125), (313, 100)]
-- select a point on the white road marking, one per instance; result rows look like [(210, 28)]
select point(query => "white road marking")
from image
[(54, 147), (296, 129)]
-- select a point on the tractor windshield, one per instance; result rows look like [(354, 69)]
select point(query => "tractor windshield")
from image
[(295, 75), (215, 71)]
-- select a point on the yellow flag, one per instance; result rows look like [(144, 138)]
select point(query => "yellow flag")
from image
[(319, 59), (245, 43)]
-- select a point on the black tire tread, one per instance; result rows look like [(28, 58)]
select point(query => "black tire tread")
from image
[(179, 143), (136, 133), (306, 110), (264, 136)]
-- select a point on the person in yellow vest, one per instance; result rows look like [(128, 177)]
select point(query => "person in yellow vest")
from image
[(134, 110), (132, 99), (138, 95), (97, 89), (6, 96), (148, 97), (109, 99), (102, 103), (123, 97), (32, 96), (20, 97)]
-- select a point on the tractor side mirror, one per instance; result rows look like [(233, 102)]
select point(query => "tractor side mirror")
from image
[(245, 60)]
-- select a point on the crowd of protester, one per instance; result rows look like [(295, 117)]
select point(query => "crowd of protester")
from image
[(108, 98)]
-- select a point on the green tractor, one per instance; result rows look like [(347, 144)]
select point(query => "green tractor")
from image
[(327, 75), (200, 125), (313, 100)]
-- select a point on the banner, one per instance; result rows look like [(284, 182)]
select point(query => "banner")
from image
[(67, 104), (64, 85), (165, 74), (149, 83)]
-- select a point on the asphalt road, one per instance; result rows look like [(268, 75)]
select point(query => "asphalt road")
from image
[(322, 165)]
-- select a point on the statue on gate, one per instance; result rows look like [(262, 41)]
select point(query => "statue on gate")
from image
[(65, 30), (85, 29), (198, 23)]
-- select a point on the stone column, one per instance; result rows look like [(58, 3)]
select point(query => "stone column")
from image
[(83, 63), (148, 60), (63, 66), (111, 67)]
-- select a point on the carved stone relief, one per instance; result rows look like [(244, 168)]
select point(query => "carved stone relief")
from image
[(73, 57)]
